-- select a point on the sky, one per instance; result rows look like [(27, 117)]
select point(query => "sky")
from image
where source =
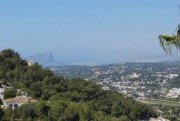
[(82, 30)]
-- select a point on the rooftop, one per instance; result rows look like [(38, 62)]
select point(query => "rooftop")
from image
[(20, 100)]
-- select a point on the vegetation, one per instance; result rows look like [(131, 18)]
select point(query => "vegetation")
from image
[(9, 94), (162, 102), (64, 99), (171, 113), (168, 42)]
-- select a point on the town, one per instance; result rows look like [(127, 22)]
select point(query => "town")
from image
[(153, 83), (137, 80)]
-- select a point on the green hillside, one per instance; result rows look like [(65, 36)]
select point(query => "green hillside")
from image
[(61, 99)]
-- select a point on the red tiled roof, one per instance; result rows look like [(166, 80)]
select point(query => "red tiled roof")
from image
[(20, 100)]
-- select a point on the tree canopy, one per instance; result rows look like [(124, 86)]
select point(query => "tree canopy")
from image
[(63, 99)]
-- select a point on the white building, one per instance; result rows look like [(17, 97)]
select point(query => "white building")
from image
[(17, 101), (30, 63), (158, 119)]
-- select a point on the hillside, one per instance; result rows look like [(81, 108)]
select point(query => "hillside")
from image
[(64, 99)]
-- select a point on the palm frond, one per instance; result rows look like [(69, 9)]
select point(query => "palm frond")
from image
[(169, 42)]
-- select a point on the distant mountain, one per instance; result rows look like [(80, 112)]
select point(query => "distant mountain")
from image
[(45, 59)]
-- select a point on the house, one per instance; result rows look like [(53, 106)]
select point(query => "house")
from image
[(30, 63), (17, 101), (158, 119)]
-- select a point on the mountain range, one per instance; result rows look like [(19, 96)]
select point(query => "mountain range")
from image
[(47, 59)]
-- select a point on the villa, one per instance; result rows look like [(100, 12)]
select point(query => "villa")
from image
[(17, 101)]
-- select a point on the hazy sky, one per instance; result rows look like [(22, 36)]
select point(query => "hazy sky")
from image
[(87, 29)]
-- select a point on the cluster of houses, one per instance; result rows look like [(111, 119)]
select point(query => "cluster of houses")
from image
[(16, 101), (173, 93)]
